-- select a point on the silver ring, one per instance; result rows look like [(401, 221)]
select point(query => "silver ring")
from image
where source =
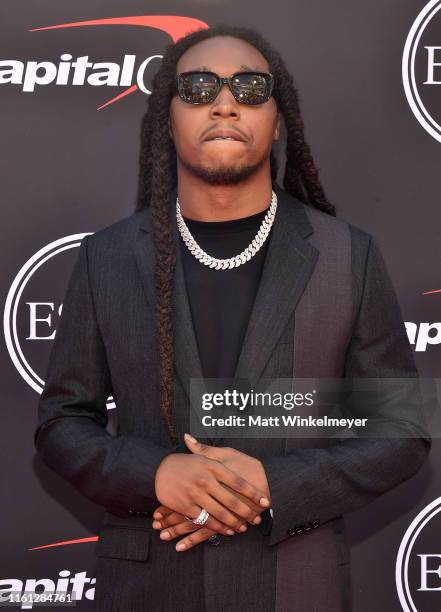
[(201, 519)]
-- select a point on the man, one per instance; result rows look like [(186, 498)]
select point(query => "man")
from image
[(221, 272)]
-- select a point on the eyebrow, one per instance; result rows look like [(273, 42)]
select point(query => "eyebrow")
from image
[(243, 67)]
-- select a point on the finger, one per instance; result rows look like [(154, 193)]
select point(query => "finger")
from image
[(187, 527), (213, 523), (212, 452), (177, 530), (177, 518), (172, 519), (219, 512), (162, 512), (257, 509), (233, 503), (239, 484), (195, 538)]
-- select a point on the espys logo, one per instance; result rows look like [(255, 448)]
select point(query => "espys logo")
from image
[(30, 318), (421, 68), (81, 71), (418, 565)]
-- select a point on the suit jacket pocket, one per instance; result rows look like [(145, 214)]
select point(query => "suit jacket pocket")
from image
[(124, 543)]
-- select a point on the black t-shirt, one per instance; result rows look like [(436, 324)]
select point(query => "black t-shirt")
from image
[(221, 300)]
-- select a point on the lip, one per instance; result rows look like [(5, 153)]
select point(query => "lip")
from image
[(224, 133)]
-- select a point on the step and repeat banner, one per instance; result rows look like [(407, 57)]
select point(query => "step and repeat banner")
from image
[(74, 78)]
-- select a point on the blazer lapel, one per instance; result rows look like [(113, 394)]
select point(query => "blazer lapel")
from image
[(289, 263)]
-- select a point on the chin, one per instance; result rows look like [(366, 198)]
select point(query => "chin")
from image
[(222, 171)]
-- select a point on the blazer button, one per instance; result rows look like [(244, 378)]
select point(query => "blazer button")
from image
[(214, 539), (137, 512), (295, 530), (291, 531)]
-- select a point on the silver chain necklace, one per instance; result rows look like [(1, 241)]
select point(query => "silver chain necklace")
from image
[(237, 260)]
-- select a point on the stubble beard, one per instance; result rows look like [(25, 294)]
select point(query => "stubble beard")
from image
[(223, 175)]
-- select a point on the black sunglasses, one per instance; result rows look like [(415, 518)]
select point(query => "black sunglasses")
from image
[(198, 87)]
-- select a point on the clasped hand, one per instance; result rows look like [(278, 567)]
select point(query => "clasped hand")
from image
[(229, 484)]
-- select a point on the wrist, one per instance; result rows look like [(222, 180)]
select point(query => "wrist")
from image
[(160, 469)]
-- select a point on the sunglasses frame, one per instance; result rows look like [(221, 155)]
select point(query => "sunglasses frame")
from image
[(221, 81)]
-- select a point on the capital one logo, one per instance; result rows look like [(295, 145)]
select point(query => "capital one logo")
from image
[(418, 565), (31, 312), (421, 68), (80, 71), (15, 592)]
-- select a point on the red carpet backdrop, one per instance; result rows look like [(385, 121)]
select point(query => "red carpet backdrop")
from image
[(74, 77)]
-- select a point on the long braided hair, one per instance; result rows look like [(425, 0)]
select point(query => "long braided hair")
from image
[(158, 177)]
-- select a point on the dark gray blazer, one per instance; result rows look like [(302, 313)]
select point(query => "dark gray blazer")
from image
[(325, 308)]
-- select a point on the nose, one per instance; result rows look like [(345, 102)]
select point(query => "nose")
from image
[(224, 105)]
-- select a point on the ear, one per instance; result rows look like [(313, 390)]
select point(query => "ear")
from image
[(277, 128)]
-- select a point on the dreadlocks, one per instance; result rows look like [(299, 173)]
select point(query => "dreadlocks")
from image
[(158, 177)]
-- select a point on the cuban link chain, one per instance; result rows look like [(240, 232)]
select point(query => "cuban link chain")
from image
[(237, 260)]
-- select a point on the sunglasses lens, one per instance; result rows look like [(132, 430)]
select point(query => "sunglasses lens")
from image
[(202, 87), (251, 88), (198, 87)]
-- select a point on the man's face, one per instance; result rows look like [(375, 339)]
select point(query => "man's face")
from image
[(223, 161)]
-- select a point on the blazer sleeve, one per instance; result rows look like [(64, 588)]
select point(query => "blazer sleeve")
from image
[(310, 486), (117, 472)]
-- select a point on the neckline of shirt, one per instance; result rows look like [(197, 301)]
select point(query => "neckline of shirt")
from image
[(225, 227)]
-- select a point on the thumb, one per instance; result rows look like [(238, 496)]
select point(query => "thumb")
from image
[(195, 446)]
